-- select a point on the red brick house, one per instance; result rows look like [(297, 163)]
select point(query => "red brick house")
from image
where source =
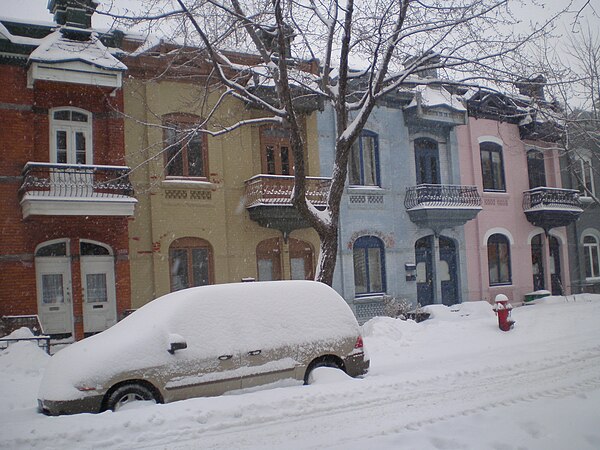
[(65, 196)]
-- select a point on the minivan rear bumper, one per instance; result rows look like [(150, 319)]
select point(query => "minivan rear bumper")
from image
[(91, 404), (356, 364)]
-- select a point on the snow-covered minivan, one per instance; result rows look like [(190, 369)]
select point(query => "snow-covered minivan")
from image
[(206, 341)]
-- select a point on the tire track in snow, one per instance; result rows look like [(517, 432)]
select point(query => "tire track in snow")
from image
[(459, 393), (255, 420)]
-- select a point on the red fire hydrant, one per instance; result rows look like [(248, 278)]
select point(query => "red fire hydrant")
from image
[(502, 309)]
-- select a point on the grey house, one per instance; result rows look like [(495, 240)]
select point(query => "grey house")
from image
[(581, 166), (403, 208)]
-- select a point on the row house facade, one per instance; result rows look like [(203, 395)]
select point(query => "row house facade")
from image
[(211, 209), (455, 195), (402, 213), (65, 198), (518, 245), (581, 172)]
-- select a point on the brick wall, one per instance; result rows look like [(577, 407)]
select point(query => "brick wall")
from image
[(25, 136)]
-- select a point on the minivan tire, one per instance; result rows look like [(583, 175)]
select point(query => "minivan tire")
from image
[(324, 362), (128, 393)]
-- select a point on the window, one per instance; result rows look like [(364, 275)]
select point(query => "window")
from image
[(269, 264), (186, 152), (585, 176), (369, 266), (268, 260), (427, 161), (276, 152), (498, 248), (536, 169), (71, 136), (364, 161), (591, 253), (492, 167), (190, 263)]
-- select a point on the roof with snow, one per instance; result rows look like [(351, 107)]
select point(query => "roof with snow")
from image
[(57, 47)]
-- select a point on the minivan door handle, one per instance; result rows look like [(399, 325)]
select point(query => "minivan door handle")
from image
[(255, 352), (225, 357)]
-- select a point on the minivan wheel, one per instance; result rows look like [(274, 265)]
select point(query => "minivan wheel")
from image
[(319, 363), (127, 394)]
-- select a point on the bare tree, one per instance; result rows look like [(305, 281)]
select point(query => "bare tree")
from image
[(366, 50), (572, 75)]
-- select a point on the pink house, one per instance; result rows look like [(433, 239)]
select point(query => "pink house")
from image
[(518, 242)]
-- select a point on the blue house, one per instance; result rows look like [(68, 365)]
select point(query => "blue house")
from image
[(403, 208)]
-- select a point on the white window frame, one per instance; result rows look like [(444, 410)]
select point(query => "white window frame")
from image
[(71, 127), (588, 249), (587, 177)]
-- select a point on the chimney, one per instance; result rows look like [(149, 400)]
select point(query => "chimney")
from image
[(268, 35), (532, 87), (423, 70), (73, 13)]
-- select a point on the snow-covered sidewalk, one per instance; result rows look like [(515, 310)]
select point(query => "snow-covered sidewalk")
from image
[(454, 381)]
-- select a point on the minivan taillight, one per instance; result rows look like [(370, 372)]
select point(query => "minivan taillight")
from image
[(359, 342)]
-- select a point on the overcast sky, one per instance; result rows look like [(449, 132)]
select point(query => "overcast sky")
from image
[(36, 10)]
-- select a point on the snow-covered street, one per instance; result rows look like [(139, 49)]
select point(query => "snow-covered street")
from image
[(454, 381)]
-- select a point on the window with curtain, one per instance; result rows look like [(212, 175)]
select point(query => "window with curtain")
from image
[(190, 263), (363, 169), (369, 265), (492, 167), (498, 247)]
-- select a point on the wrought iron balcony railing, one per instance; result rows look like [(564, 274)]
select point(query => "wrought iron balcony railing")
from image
[(551, 198), (442, 196), (269, 190), (75, 181)]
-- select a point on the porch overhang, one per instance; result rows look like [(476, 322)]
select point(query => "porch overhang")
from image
[(439, 207), (37, 205), (551, 207)]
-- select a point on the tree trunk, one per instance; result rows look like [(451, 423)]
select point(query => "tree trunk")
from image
[(327, 256)]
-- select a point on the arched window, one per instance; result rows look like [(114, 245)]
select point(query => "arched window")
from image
[(591, 252), (492, 167), (268, 260), (301, 260), (70, 136), (190, 263), (536, 169), (427, 161), (185, 149), (364, 161), (498, 248), (269, 263), (369, 265)]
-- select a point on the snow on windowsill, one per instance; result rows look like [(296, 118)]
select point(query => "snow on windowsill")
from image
[(188, 183)]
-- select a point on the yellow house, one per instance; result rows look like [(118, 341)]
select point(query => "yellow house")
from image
[(210, 209)]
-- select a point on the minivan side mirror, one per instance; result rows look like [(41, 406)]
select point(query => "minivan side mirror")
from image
[(176, 343)]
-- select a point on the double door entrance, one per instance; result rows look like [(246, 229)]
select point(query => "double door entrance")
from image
[(62, 300), (436, 267)]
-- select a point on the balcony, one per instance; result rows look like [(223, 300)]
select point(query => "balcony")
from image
[(441, 206), (268, 200), (76, 190), (551, 207)]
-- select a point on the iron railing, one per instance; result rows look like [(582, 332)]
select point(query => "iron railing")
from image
[(277, 190), (75, 180), (548, 198), (442, 196)]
